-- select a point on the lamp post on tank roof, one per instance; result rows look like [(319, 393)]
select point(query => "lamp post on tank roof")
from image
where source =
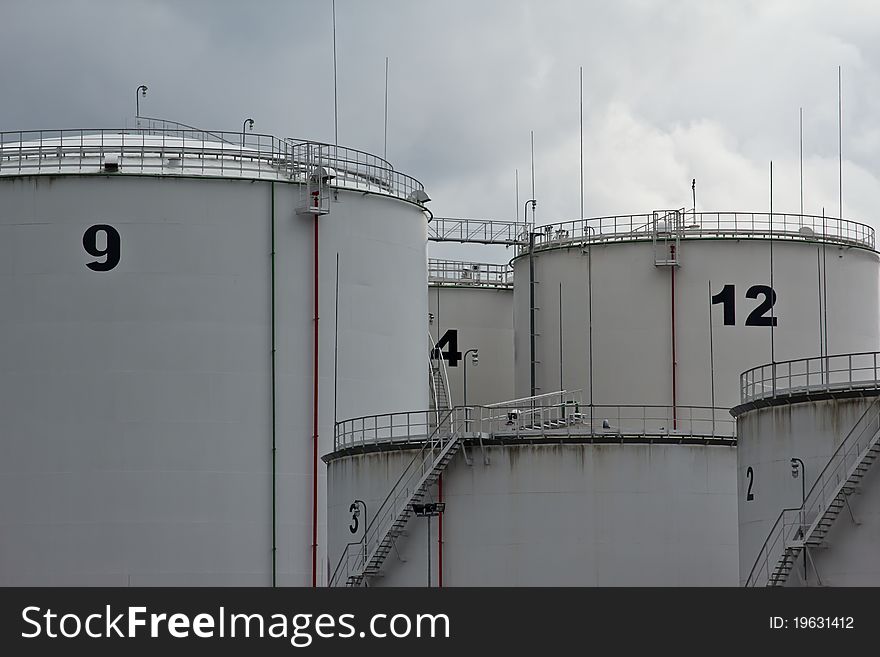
[(247, 123), (797, 464), (476, 359), (140, 91), (428, 510)]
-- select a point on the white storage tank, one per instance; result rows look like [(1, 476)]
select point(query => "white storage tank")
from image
[(808, 483), (470, 307), (629, 479), (534, 497), (161, 352), (637, 293)]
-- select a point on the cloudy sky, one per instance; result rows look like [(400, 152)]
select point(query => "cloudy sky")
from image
[(672, 91)]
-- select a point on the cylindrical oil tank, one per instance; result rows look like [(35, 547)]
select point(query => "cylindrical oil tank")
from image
[(543, 503), (470, 307), (165, 362), (808, 482), (669, 308)]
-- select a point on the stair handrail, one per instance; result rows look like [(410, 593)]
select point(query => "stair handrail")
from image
[(444, 377), (444, 371), (792, 523), (389, 509), (431, 373)]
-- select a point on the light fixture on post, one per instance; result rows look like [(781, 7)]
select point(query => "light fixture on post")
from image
[(247, 123), (476, 359), (799, 469), (428, 510), (534, 204), (141, 91)]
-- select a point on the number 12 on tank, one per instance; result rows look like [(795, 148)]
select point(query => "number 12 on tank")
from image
[(759, 315)]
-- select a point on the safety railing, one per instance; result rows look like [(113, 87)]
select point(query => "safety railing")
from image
[(387, 429), (747, 225), (549, 415), (858, 371), (170, 148), (472, 274), (794, 526), (477, 231), (570, 418), (171, 128)]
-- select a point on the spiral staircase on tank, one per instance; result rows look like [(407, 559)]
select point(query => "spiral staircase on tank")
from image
[(797, 530)]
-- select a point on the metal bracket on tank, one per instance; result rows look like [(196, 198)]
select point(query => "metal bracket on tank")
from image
[(400, 557), (813, 564), (849, 508), (483, 448)]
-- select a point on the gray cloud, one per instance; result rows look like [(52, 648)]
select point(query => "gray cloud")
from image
[(672, 91)]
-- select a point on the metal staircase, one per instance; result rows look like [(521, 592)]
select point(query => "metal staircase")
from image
[(438, 378), (438, 388), (362, 560), (797, 530)]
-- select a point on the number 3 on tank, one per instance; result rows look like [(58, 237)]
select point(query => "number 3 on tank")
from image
[(113, 245)]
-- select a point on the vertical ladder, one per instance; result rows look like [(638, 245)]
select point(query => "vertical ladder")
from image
[(666, 230)]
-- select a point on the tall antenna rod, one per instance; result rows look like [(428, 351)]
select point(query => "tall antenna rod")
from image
[(839, 148), (589, 254), (385, 141), (824, 288), (801, 114), (772, 291), (582, 140), (335, 97), (532, 132), (711, 358), (516, 187)]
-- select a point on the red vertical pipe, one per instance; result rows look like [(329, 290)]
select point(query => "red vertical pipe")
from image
[(440, 535), (674, 361), (315, 422)]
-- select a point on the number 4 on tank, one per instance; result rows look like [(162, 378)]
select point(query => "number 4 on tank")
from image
[(452, 355)]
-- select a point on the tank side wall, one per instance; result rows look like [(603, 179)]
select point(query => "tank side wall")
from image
[(135, 402), (575, 515), (768, 439), (483, 319), (632, 316)]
